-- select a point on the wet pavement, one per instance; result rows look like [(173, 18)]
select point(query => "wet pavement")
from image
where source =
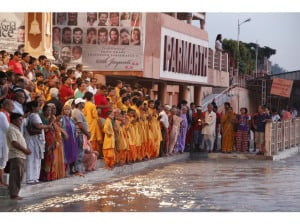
[(193, 186)]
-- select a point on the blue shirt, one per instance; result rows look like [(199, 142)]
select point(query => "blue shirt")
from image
[(260, 124)]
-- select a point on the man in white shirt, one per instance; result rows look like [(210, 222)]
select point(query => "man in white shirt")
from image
[(164, 117), (78, 71), (17, 155), (91, 85), (208, 129), (164, 120)]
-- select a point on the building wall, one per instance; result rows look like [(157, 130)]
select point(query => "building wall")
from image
[(218, 78), (243, 98), (152, 50)]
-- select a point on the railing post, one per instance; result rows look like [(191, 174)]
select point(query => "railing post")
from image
[(226, 61), (293, 134), (290, 136), (275, 124), (279, 135), (220, 61), (283, 135), (213, 59), (271, 135), (268, 137), (295, 140), (298, 131)]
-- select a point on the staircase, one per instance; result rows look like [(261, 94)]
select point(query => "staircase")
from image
[(220, 98)]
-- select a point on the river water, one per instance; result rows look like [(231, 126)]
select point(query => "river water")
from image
[(193, 186)]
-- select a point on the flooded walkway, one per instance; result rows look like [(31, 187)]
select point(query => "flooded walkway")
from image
[(194, 186)]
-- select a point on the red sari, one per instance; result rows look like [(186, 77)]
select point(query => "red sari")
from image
[(48, 165)]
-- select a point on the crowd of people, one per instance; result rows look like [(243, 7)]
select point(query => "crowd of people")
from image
[(56, 122)]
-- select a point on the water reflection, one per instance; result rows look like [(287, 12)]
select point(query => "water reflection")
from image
[(211, 185)]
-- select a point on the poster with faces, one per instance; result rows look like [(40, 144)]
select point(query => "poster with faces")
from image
[(74, 34)]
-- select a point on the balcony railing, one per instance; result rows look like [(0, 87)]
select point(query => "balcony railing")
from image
[(217, 60), (282, 135), (241, 80)]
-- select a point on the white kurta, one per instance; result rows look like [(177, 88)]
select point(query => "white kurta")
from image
[(36, 143), (210, 119)]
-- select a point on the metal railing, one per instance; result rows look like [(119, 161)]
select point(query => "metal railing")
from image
[(217, 60), (221, 98), (241, 80), (282, 135)]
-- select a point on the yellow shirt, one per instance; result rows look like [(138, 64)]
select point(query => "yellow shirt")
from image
[(113, 101), (131, 132), (37, 90), (47, 94), (124, 108), (119, 103), (109, 138), (117, 89), (134, 107), (121, 143), (91, 115)]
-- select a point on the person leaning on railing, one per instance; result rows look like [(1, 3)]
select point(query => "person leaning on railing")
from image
[(259, 127)]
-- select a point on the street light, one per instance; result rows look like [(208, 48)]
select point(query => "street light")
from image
[(238, 62), (238, 44)]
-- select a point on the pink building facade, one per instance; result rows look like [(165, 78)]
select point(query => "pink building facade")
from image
[(172, 60)]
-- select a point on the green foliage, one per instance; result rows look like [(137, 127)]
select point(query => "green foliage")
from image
[(262, 51), (246, 54), (246, 63)]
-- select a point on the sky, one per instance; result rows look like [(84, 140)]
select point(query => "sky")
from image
[(279, 31)]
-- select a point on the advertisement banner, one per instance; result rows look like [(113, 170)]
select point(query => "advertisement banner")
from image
[(107, 41), (281, 87), (12, 32)]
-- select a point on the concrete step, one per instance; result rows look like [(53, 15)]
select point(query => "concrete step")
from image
[(100, 175), (4, 192), (198, 155)]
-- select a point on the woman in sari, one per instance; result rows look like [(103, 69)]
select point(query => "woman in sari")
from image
[(228, 122), (48, 171), (174, 128), (180, 145), (58, 152), (69, 144), (243, 124)]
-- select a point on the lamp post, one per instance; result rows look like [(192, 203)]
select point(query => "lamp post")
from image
[(238, 62), (238, 44), (256, 54)]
